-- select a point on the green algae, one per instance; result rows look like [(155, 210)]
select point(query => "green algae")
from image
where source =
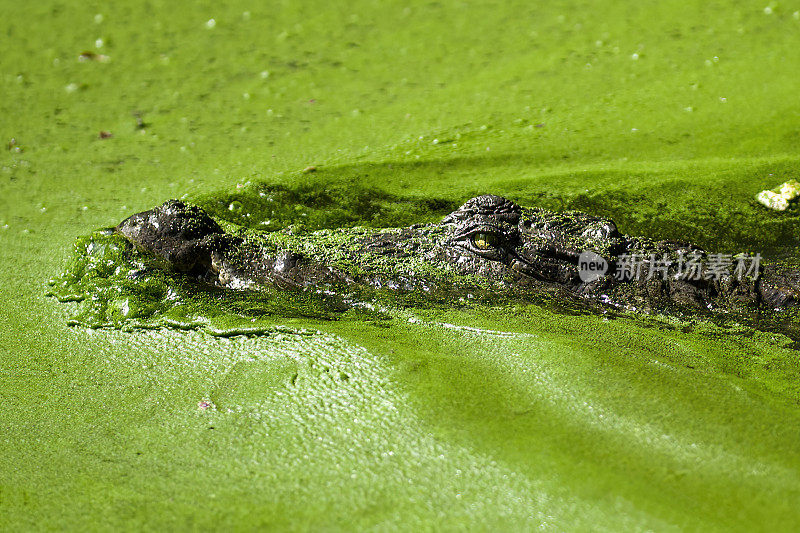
[(529, 420)]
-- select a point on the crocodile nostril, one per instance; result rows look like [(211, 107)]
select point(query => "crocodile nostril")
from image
[(610, 230)]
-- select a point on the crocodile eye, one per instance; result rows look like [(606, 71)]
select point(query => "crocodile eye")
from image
[(485, 241)]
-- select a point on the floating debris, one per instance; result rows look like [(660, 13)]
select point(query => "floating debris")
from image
[(13, 146), (205, 404), (781, 196), (140, 123), (93, 56)]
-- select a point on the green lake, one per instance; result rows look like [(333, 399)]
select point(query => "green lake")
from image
[(667, 116)]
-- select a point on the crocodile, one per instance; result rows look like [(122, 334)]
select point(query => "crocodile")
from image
[(488, 244)]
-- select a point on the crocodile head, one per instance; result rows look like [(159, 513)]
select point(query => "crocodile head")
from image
[(488, 237)]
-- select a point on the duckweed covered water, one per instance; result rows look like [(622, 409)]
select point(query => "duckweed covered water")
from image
[(666, 116)]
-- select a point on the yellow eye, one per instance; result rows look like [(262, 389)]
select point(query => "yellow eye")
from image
[(484, 241)]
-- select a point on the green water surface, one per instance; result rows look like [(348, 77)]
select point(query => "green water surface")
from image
[(668, 116)]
